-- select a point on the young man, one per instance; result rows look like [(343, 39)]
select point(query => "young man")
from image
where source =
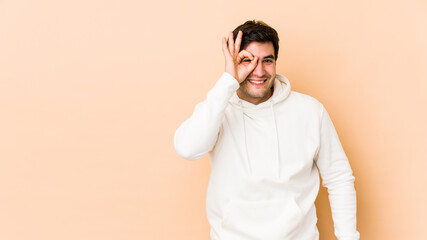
[(267, 145)]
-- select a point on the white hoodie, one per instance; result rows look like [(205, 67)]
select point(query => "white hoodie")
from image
[(264, 164)]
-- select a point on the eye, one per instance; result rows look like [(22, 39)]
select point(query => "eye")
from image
[(268, 60), (246, 60)]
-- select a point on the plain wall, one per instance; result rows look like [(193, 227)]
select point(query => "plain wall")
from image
[(91, 93)]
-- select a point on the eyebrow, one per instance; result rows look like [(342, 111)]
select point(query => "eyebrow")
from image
[(266, 57)]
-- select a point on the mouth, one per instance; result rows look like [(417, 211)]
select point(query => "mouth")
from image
[(257, 82)]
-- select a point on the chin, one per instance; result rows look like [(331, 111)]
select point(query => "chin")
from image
[(257, 94)]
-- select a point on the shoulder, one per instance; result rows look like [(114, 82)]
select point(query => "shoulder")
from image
[(304, 100), (302, 106)]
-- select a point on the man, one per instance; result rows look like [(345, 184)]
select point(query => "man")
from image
[(267, 145)]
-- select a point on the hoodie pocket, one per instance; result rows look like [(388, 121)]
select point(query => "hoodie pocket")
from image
[(276, 219)]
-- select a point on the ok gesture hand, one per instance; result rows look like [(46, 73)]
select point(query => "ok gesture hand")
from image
[(237, 64)]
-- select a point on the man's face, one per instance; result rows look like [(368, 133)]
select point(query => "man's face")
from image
[(257, 86)]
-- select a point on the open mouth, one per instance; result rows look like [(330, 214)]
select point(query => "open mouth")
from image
[(257, 83)]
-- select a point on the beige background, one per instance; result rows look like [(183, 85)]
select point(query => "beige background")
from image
[(91, 93)]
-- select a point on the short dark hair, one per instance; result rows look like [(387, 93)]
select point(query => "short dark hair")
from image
[(257, 31)]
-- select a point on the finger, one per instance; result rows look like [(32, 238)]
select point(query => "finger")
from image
[(253, 64), (244, 53), (231, 43), (238, 41), (224, 47)]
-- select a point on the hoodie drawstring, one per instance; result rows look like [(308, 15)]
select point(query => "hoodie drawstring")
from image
[(277, 139), (246, 146)]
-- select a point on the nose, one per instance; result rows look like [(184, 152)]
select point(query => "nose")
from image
[(259, 70)]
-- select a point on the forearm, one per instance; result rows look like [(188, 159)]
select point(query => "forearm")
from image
[(338, 177), (198, 134), (342, 198)]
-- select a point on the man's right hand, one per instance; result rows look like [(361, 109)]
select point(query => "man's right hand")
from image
[(237, 64)]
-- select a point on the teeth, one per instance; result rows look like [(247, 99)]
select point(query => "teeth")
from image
[(257, 82)]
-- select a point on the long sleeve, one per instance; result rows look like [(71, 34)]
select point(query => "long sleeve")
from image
[(338, 178), (198, 134)]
